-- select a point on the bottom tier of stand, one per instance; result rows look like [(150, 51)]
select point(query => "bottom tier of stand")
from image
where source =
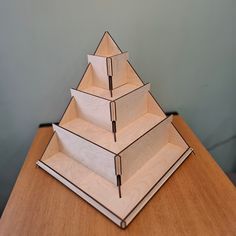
[(103, 195)]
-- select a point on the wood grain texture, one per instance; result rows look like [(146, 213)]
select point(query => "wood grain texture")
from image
[(89, 154), (102, 195), (92, 109), (116, 93), (137, 154), (118, 69), (105, 139), (107, 46), (99, 65), (197, 200), (131, 106)]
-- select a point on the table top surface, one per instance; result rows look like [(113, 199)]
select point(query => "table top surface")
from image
[(198, 199)]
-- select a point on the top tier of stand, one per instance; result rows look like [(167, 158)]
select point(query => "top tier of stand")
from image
[(109, 73), (107, 47)]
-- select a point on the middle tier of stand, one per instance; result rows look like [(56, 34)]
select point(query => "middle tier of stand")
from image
[(92, 117), (105, 139)]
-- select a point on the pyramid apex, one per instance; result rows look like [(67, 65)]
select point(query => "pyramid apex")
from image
[(107, 46)]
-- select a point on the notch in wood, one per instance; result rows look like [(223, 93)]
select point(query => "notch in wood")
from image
[(114, 129), (110, 84), (119, 184)]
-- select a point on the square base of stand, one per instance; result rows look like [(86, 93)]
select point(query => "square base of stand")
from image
[(103, 195)]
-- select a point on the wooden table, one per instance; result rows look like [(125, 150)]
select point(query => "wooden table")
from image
[(197, 200)]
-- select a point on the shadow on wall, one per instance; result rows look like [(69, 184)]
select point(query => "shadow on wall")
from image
[(221, 144)]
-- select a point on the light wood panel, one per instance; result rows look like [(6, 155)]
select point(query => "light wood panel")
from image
[(94, 115), (118, 69), (89, 199), (131, 106), (88, 83), (93, 109), (87, 78), (114, 66), (91, 155), (153, 106), (107, 46), (100, 76), (130, 81), (52, 147), (104, 137), (142, 150), (176, 138), (133, 75), (116, 93), (70, 113), (151, 168)]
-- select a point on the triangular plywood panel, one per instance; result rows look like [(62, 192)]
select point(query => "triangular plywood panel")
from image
[(109, 72), (100, 87), (114, 145), (107, 46)]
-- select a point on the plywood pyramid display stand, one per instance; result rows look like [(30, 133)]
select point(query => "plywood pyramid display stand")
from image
[(114, 145)]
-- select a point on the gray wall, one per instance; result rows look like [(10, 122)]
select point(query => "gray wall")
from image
[(183, 47)]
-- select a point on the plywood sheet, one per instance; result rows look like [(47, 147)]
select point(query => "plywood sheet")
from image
[(118, 69), (89, 154), (133, 75), (99, 67), (70, 113), (144, 148), (104, 137), (107, 46), (153, 106), (52, 147), (93, 109), (87, 78), (131, 106), (116, 93)]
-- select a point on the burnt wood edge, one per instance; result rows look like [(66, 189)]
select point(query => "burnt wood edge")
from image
[(171, 167), (42, 125), (174, 113), (80, 189)]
